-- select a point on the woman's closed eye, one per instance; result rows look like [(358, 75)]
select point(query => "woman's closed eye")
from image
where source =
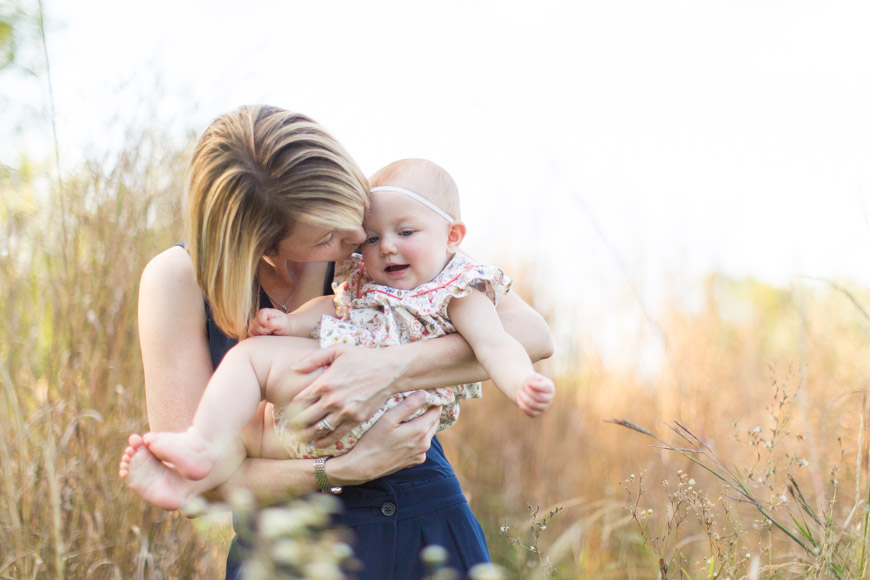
[(327, 242)]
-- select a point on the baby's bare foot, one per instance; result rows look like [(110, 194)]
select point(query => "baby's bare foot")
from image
[(189, 452), (156, 483)]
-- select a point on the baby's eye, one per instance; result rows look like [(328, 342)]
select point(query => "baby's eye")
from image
[(372, 240), (406, 233)]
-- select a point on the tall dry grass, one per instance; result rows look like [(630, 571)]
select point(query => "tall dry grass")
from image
[(773, 380), (71, 374), (72, 390)]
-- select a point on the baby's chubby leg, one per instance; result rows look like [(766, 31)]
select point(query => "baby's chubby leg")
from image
[(257, 368)]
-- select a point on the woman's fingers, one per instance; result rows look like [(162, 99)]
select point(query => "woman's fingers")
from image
[(317, 359), (417, 432), (322, 423), (431, 419), (312, 413), (409, 438), (411, 405), (393, 442), (355, 384)]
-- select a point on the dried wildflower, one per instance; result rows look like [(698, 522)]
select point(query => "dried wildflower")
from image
[(242, 500), (323, 570), (434, 555), (277, 522), (287, 551), (487, 572)]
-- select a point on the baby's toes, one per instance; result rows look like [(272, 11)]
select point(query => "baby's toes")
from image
[(135, 441)]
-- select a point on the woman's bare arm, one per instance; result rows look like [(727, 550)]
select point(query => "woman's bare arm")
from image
[(172, 337), (359, 380), (178, 366)]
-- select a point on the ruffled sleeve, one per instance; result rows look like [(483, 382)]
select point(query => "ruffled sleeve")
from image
[(460, 277), (395, 316)]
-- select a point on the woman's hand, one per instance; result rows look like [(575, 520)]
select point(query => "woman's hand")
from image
[(356, 383), (390, 445)]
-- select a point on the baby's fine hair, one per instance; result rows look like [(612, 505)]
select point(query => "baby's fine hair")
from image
[(424, 178)]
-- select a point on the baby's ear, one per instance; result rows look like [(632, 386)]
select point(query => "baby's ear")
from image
[(455, 235)]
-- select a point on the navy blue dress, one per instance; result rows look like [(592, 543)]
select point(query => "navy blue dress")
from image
[(394, 517)]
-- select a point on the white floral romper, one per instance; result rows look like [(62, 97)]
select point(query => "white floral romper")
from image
[(376, 316)]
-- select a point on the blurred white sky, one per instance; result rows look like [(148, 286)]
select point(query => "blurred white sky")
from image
[(691, 136)]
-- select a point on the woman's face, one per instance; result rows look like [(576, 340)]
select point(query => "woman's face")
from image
[(312, 243)]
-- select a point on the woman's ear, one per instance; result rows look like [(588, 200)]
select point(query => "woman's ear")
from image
[(455, 235), (271, 256)]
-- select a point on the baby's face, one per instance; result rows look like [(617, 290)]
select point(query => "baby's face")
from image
[(406, 242)]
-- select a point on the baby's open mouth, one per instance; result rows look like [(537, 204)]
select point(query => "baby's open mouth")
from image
[(396, 267)]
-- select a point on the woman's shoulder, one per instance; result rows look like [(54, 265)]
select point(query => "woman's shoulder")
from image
[(170, 268), (168, 284)]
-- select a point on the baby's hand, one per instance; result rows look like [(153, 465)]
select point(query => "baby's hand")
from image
[(270, 321), (536, 394)]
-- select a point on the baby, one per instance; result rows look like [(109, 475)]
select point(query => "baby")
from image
[(410, 283)]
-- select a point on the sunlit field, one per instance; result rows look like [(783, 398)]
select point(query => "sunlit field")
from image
[(761, 397), (745, 458)]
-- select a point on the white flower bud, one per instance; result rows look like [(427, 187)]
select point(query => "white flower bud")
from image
[(487, 572), (321, 570), (279, 522), (287, 551), (434, 555)]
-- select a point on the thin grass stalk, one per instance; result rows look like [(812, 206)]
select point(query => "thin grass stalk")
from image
[(801, 395), (50, 454), (864, 561), (860, 450), (61, 203), (15, 439), (731, 481)]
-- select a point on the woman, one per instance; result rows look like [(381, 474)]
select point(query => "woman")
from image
[(272, 201)]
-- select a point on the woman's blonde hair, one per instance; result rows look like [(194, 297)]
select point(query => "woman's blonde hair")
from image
[(255, 172)]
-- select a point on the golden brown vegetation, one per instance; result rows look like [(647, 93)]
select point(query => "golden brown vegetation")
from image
[(774, 380), (71, 373)]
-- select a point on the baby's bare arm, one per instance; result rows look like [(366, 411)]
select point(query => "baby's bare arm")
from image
[(298, 323), (309, 314), (501, 355)]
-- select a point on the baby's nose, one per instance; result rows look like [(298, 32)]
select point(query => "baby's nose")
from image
[(388, 246)]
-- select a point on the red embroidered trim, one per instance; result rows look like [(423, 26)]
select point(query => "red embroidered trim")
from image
[(451, 281)]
